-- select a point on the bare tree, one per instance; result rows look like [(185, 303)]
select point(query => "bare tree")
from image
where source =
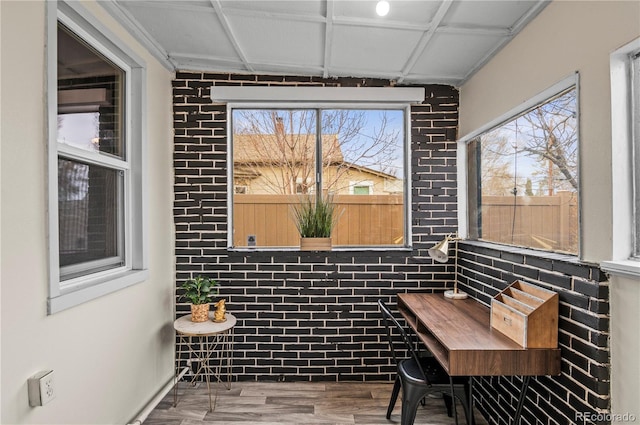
[(541, 145), (496, 155), (275, 150), (551, 136)]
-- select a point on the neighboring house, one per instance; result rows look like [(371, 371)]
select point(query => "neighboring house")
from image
[(284, 164)]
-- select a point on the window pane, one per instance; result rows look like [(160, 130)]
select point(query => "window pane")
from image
[(90, 100), (363, 154), (275, 161), (527, 174), (89, 217)]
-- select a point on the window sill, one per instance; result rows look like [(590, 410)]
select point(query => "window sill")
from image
[(547, 255), (75, 297), (333, 249), (625, 268)]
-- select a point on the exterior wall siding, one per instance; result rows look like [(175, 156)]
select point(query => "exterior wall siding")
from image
[(306, 316)]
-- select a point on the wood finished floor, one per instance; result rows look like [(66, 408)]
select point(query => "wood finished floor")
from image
[(248, 403)]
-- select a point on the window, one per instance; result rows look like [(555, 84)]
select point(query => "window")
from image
[(635, 155), (524, 180), (95, 161), (281, 154), (90, 187), (625, 156)]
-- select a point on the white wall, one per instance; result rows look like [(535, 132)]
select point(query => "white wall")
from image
[(571, 36), (110, 355)]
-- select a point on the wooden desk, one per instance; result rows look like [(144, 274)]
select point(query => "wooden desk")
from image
[(459, 335)]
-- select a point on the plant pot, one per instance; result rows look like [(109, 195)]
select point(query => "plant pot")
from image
[(315, 244), (199, 312)]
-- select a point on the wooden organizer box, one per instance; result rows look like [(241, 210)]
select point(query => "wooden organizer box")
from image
[(527, 314)]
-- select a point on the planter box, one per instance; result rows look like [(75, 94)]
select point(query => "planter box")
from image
[(315, 244), (527, 314)]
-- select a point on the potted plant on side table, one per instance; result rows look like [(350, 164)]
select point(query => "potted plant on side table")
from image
[(315, 218), (199, 292)]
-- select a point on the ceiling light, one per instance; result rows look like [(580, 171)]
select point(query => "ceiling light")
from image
[(382, 8)]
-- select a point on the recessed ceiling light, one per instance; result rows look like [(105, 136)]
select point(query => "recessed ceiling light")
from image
[(382, 8)]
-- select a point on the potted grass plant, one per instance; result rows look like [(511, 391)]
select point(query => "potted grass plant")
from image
[(315, 218), (199, 292)]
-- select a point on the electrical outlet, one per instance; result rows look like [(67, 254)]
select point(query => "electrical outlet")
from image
[(41, 388)]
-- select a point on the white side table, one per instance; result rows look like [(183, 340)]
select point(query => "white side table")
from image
[(209, 345)]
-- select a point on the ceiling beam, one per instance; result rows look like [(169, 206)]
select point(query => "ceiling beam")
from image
[(328, 38), (426, 38), (230, 34), (296, 17)]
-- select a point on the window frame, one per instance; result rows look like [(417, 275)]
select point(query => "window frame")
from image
[(75, 291), (625, 153), (319, 107), (320, 98), (465, 223)]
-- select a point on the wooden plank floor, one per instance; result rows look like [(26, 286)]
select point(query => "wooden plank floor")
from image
[(272, 403)]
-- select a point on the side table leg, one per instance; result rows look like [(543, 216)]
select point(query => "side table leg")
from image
[(176, 364), (229, 356), (207, 367)]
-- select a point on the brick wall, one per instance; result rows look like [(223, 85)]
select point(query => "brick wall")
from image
[(305, 316), (583, 387), (312, 316)]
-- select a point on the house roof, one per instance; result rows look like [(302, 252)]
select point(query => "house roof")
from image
[(272, 149)]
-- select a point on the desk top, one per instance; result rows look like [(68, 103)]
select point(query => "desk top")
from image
[(185, 326), (459, 335)]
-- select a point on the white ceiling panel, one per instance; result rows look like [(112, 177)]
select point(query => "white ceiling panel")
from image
[(503, 14), (176, 29), (471, 50), (277, 41), (419, 41), (384, 50), (414, 12)]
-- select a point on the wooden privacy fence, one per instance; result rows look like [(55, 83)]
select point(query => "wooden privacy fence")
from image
[(364, 220), (546, 222)]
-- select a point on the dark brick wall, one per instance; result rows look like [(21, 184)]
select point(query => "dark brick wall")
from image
[(313, 317), (583, 386), (306, 316)]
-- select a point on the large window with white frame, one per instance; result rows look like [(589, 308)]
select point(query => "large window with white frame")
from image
[(95, 160), (523, 177), (289, 144), (281, 155)]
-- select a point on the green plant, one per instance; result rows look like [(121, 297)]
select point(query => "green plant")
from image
[(200, 290), (315, 217)]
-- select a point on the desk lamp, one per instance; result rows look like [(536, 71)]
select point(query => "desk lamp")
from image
[(440, 253)]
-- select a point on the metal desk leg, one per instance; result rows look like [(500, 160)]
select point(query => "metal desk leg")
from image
[(470, 418), (453, 400), (523, 395)]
